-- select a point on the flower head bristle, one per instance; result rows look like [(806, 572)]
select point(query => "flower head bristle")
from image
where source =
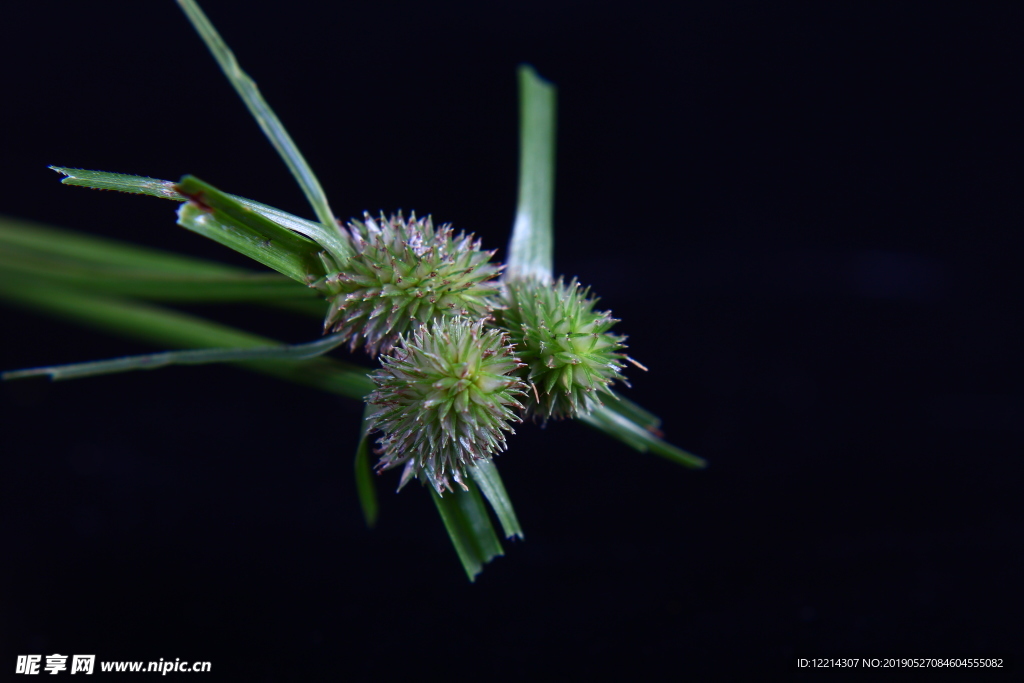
[(404, 273), (445, 398), (571, 358)]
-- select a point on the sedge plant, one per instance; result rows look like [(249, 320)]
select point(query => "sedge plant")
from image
[(465, 347)]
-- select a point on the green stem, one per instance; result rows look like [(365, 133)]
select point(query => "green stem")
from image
[(264, 115), (531, 249)]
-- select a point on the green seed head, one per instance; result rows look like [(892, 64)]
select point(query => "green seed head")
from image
[(404, 273), (571, 358), (445, 397)]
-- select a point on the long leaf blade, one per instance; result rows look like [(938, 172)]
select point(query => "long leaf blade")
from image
[(264, 115), (154, 284), (102, 265), (465, 517), (330, 239), (365, 487), (224, 205), (163, 327), (48, 241), (163, 359), (244, 241), (530, 251), (636, 436), (635, 413), (222, 218), (485, 474)]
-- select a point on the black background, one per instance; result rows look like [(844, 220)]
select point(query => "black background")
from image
[(807, 216)]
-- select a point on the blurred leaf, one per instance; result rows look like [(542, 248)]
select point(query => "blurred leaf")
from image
[(90, 249), (164, 327), (635, 413), (365, 485), (152, 284), (163, 359), (605, 419), (101, 265)]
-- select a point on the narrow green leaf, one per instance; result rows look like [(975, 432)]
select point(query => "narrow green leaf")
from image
[(485, 474), (102, 265), (154, 284), (134, 184), (82, 248), (254, 236), (365, 486), (165, 328), (154, 361), (465, 517), (246, 242), (330, 239), (226, 208), (635, 413), (530, 251), (625, 430), (265, 117)]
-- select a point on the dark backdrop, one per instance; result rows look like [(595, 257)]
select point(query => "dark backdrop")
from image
[(807, 219)]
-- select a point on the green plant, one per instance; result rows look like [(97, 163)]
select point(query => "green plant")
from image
[(464, 352), (444, 400)]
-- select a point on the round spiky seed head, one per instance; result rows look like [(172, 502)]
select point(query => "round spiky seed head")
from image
[(571, 357), (445, 398), (404, 273)]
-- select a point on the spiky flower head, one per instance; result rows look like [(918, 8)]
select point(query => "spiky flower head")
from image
[(404, 273), (445, 398), (571, 357)]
